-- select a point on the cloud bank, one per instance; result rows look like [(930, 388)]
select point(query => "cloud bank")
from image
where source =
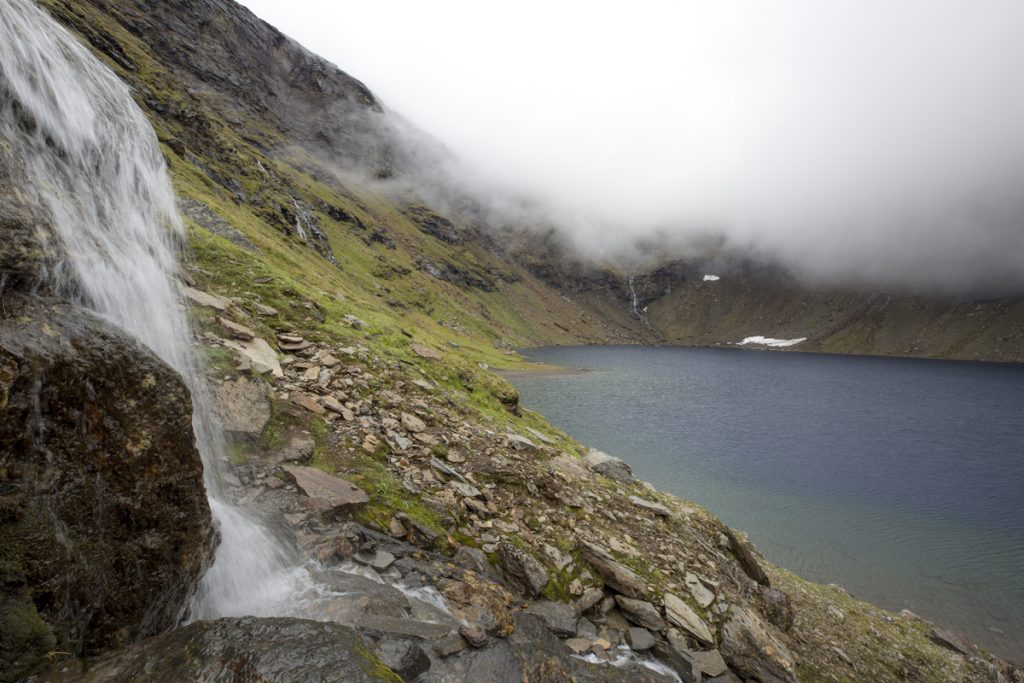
[(851, 140)]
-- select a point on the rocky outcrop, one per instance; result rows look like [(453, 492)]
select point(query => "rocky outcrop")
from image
[(105, 523)]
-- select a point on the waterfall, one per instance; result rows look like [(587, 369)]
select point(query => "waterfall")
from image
[(93, 161), (635, 302)]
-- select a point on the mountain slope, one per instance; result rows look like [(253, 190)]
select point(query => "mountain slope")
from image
[(275, 157)]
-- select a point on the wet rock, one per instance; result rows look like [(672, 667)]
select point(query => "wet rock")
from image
[(451, 644), (559, 617), (405, 658), (330, 495), (98, 464), (753, 651), (241, 407), (401, 626), (378, 559), (679, 661), (525, 572), (579, 646), (641, 612), (475, 636), (235, 330), (252, 649), (639, 639), (616, 575), (218, 303), (609, 466), (680, 614)]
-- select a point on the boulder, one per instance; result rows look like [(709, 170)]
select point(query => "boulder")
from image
[(609, 466), (406, 658), (523, 571), (559, 617), (104, 522), (282, 650), (680, 614), (616, 575), (242, 408), (639, 639), (641, 612), (751, 649), (330, 495), (258, 353)]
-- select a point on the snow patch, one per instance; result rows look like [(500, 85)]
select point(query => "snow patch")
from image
[(768, 341), (711, 278)]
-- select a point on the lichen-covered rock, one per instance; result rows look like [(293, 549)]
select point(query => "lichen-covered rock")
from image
[(282, 650), (522, 569), (105, 522)]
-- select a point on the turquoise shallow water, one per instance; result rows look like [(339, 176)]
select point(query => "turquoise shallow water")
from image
[(901, 480)]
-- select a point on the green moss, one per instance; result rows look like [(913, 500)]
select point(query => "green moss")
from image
[(374, 667)]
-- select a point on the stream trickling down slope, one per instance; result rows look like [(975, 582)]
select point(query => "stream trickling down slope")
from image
[(94, 162)]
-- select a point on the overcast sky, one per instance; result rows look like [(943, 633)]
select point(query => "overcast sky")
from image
[(881, 139)]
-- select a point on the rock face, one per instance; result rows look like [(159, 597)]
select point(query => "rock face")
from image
[(243, 649), (104, 522)]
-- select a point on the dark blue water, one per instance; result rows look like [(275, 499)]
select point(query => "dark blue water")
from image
[(901, 480)]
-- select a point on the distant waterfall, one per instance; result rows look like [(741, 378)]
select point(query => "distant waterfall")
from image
[(94, 162)]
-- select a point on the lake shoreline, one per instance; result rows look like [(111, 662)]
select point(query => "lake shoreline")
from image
[(991, 626)]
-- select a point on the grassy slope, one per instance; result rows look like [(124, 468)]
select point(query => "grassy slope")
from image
[(403, 305)]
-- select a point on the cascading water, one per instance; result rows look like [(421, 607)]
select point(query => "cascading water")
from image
[(93, 160)]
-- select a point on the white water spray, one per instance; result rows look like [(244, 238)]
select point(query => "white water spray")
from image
[(93, 160)]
